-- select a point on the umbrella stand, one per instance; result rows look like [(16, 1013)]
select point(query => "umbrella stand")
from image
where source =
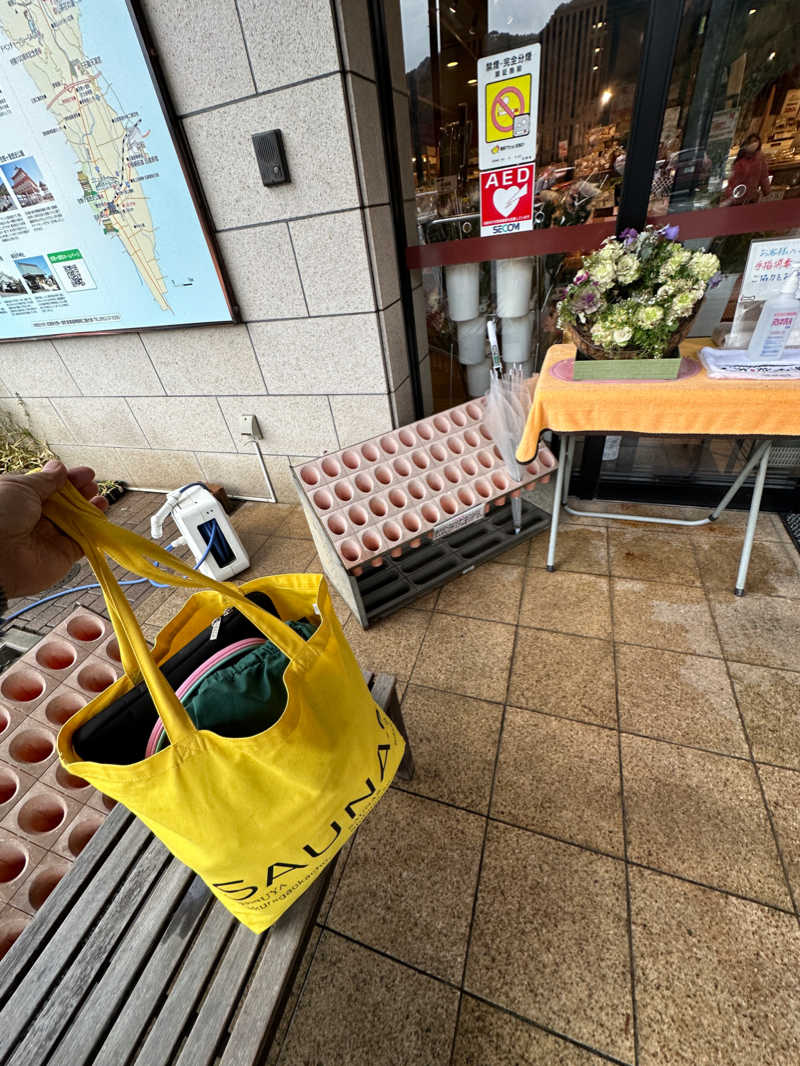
[(506, 412)]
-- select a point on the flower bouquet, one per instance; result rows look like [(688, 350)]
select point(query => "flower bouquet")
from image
[(634, 300)]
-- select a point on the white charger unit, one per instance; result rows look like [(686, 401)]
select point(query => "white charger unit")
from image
[(195, 511)]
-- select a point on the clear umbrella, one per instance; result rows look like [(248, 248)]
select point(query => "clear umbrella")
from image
[(507, 407)]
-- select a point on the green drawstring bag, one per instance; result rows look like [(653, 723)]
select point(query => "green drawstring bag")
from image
[(244, 697)]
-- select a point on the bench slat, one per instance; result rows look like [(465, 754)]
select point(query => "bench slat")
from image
[(384, 693), (221, 998), (108, 996), (272, 978), (94, 857), (41, 1030), (187, 989), (145, 997)]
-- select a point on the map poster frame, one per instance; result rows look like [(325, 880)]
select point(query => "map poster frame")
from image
[(104, 227)]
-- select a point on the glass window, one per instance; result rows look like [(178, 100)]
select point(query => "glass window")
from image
[(731, 129)]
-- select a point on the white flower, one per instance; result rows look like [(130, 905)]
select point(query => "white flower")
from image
[(703, 265), (601, 334), (668, 268), (649, 316), (627, 268), (665, 291), (680, 255), (683, 304), (603, 275), (622, 336)]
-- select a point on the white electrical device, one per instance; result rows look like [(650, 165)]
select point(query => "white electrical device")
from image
[(198, 516)]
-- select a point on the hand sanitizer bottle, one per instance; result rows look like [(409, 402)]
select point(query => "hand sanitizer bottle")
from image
[(775, 323)]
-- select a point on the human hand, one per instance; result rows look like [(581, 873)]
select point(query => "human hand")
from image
[(34, 554)]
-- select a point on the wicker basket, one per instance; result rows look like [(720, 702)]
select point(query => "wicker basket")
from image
[(581, 338)]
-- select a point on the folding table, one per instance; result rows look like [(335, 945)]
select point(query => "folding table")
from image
[(693, 404)]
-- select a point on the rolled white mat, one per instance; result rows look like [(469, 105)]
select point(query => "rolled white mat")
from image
[(463, 290), (526, 367), (513, 287), (517, 338), (478, 377), (472, 340)]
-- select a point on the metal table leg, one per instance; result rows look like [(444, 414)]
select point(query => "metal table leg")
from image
[(752, 518), (559, 496)]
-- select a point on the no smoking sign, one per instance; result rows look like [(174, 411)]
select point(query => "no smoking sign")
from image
[(508, 93), (507, 200)]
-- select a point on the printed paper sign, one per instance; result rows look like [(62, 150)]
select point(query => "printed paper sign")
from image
[(507, 200), (508, 95), (769, 264)]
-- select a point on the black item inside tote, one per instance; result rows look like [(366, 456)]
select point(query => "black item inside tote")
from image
[(119, 733)]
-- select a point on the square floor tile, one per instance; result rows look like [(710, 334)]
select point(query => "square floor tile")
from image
[(454, 740), (390, 646), (672, 696), (261, 518), (291, 1003), (489, 591), (467, 656), (561, 778), (550, 938), (281, 555), (770, 705), (663, 616), (409, 884), (772, 570), (569, 603), (360, 1009), (783, 796), (700, 816), (570, 676), (731, 525), (758, 629), (518, 555), (650, 555), (487, 1036), (579, 548), (717, 979)]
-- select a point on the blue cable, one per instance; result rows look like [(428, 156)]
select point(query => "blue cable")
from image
[(138, 581)]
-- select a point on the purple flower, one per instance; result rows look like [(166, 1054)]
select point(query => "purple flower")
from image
[(581, 276), (629, 235), (671, 232), (713, 282)]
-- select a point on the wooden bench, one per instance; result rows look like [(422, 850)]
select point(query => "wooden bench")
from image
[(132, 960)]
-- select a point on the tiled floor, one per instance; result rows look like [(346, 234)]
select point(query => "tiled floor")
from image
[(599, 856)]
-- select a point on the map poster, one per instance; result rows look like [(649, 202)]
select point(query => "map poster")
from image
[(99, 229), (508, 101)]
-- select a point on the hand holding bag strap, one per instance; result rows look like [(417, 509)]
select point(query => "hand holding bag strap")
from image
[(98, 537)]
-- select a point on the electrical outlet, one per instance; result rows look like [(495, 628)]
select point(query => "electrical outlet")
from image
[(248, 426)]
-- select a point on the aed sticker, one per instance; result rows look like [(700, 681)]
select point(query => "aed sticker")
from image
[(507, 200), (508, 93)]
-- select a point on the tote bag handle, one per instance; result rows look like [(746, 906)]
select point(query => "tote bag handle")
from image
[(98, 538)]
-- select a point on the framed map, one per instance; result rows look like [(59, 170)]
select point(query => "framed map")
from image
[(100, 228)]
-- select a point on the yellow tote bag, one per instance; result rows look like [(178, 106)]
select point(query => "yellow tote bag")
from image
[(257, 817)]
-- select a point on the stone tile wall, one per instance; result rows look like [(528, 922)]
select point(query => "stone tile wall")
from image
[(320, 356)]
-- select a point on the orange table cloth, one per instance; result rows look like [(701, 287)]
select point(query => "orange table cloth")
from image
[(691, 406)]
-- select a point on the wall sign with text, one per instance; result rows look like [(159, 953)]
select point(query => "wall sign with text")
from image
[(99, 227), (507, 200), (508, 99)]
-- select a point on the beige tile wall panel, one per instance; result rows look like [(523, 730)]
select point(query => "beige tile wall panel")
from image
[(40, 417), (320, 355), (263, 273), (311, 115), (332, 256), (363, 99), (380, 233), (355, 36), (201, 51), (34, 368), (107, 463), (393, 332), (110, 366), (101, 421), (151, 469), (205, 361), (360, 417), (293, 425), (184, 423), (288, 44)]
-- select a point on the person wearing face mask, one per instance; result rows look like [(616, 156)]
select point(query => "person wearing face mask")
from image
[(750, 176)]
